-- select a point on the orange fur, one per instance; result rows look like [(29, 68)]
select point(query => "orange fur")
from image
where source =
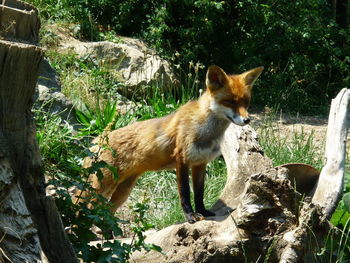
[(188, 138)]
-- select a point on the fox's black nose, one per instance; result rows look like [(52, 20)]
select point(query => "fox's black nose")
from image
[(246, 120)]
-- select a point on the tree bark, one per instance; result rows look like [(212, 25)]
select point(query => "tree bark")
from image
[(264, 214), (335, 155), (19, 21), (30, 226), (16, 224)]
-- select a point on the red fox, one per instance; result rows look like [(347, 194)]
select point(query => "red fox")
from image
[(186, 139)]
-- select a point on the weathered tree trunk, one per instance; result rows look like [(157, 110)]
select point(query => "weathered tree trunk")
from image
[(16, 226), (30, 226), (335, 155), (265, 214)]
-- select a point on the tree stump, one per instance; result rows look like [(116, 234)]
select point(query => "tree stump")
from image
[(264, 214), (30, 226)]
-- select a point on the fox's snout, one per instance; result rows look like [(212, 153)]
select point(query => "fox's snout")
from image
[(239, 120), (238, 115)]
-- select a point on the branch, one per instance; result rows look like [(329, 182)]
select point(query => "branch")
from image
[(330, 185)]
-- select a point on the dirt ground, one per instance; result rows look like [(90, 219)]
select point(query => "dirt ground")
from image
[(287, 125)]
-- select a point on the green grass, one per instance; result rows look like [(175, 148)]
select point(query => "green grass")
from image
[(299, 147), (160, 188)]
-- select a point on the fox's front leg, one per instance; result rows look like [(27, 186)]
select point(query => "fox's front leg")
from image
[(198, 178), (184, 191)]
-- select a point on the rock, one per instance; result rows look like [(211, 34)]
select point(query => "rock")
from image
[(134, 63), (131, 61), (48, 94)]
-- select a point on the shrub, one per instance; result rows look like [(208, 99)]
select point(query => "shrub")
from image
[(303, 49), (62, 153)]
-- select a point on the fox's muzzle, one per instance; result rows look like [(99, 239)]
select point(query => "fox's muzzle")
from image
[(239, 120)]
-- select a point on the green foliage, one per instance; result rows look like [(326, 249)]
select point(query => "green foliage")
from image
[(126, 17), (337, 245), (140, 225), (85, 78), (53, 136), (305, 53), (62, 155), (346, 200), (341, 215), (52, 10), (95, 120)]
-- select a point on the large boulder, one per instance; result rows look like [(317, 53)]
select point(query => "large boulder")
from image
[(48, 94), (136, 65)]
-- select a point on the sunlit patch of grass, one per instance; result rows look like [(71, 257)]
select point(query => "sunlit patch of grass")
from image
[(281, 148)]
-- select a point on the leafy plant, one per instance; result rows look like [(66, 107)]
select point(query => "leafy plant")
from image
[(140, 225), (94, 211), (346, 200), (301, 67), (84, 79), (336, 247), (53, 135), (51, 10), (62, 154), (95, 120)]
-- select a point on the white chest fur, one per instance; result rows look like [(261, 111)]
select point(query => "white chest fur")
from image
[(206, 146), (200, 155)]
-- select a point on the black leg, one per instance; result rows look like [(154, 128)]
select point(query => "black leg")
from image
[(184, 191), (198, 178)]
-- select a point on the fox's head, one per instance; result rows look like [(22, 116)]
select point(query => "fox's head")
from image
[(231, 94)]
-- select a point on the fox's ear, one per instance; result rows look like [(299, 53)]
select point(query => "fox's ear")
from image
[(216, 78), (250, 76)]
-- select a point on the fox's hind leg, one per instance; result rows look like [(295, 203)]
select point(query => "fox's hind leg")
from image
[(122, 192)]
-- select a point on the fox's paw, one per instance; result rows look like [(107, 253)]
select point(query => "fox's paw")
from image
[(193, 217), (206, 213)]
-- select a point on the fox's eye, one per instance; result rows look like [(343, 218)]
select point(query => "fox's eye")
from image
[(246, 102), (230, 102)]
